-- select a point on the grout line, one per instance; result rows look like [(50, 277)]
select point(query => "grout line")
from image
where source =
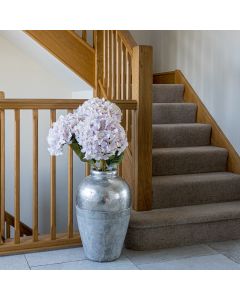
[(58, 263), (230, 258), (168, 260), (27, 262), (63, 262), (225, 254), (180, 258)]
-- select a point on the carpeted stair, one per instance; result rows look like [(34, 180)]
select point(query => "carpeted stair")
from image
[(195, 199)]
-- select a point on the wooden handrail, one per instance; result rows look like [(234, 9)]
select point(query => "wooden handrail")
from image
[(70, 49), (127, 40), (57, 104), (82, 40)]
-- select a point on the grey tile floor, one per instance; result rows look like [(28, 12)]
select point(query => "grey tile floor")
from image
[(212, 256)]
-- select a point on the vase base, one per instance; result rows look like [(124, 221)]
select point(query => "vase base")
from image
[(103, 233)]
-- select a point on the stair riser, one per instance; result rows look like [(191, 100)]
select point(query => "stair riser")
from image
[(185, 163), (182, 235), (174, 113), (168, 93), (193, 193), (167, 136)]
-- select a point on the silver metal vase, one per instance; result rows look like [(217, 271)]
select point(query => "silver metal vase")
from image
[(103, 212)]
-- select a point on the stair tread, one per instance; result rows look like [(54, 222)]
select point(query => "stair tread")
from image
[(192, 214), (165, 93), (183, 125), (181, 135), (195, 189), (189, 160)]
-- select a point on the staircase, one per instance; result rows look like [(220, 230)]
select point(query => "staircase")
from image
[(194, 199)]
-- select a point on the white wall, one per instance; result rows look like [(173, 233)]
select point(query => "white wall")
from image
[(25, 72), (143, 37), (210, 60)]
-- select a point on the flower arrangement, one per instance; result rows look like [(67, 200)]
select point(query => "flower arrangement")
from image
[(94, 133)]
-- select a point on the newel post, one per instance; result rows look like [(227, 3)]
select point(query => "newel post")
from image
[(142, 92)]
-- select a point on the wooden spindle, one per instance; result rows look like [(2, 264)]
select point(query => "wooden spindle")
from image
[(123, 77), (114, 62), (35, 175), (2, 181), (129, 75), (53, 186), (8, 231), (70, 191), (105, 64), (17, 178), (84, 35), (87, 169), (119, 64), (109, 82)]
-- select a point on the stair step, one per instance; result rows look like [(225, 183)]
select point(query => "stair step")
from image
[(168, 93), (192, 189), (181, 135), (174, 113), (188, 160), (186, 225)]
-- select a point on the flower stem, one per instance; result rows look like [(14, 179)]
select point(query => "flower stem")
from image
[(103, 165)]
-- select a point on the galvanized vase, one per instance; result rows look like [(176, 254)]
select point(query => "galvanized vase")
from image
[(103, 212)]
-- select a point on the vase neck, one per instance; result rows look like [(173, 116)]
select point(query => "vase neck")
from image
[(103, 174)]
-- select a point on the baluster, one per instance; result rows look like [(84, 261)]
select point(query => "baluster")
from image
[(114, 64), (17, 178), (129, 76), (123, 94), (70, 191), (105, 64), (123, 83), (119, 66), (53, 186), (109, 84), (84, 35), (35, 175), (8, 231)]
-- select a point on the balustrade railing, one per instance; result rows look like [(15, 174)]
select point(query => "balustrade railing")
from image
[(37, 240)]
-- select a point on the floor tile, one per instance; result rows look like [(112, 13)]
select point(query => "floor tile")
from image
[(55, 256), (211, 262), (122, 263), (13, 262), (145, 257), (231, 249)]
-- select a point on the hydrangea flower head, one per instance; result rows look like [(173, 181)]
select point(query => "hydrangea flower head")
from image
[(95, 126)]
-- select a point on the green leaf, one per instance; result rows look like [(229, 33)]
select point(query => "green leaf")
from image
[(77, 149), (115, 159)]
